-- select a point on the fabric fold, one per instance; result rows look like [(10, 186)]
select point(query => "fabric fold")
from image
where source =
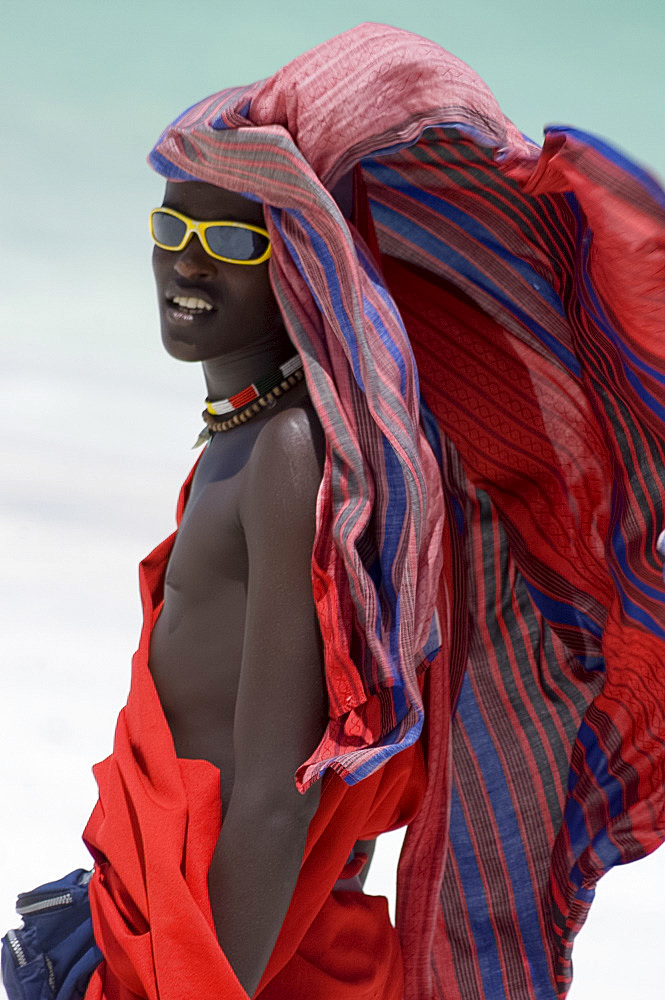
[(484, 344)]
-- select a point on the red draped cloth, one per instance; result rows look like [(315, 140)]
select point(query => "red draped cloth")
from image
[(153, 832)]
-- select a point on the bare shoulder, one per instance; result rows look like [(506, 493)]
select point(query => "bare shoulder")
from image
[(295, 431), (286, 466)]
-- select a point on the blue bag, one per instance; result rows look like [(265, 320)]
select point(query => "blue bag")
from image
[(54, 954)]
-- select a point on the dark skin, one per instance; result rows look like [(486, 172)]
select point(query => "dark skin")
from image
[(236, 653)]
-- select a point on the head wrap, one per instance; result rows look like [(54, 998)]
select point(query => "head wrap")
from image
[(503, 464)]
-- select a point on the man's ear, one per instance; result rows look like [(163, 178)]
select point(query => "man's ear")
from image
[(342, 192)]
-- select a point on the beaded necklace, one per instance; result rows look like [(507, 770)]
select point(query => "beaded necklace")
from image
[(241, 406)]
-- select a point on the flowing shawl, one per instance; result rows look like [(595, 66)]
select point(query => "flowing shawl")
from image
[(485, 347)]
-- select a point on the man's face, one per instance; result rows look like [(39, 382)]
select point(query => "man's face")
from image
[(244, 314)]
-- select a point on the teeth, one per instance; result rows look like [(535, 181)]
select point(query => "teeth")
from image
[(190, 303)]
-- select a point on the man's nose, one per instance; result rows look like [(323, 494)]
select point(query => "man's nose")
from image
[(193, 261)]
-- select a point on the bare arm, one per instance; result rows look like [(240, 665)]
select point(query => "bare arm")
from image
[(281, 710)]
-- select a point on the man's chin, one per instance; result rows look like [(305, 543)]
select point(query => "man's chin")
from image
[(181, 347)]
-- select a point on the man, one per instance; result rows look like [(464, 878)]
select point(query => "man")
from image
[(482, 451), (236, 653)]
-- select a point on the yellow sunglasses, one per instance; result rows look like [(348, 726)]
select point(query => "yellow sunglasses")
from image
[(232, 242)]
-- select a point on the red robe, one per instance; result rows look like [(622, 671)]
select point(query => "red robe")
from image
[(152, 834)]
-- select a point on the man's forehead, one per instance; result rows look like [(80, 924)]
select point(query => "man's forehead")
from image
[(208, 201)]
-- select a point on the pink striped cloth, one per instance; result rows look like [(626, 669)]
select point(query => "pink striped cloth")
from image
[(485, 347), (377, 554)]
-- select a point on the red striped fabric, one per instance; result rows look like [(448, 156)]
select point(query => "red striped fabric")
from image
[(485, 346)]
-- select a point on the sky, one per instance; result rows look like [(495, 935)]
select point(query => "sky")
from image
[(97, 422)]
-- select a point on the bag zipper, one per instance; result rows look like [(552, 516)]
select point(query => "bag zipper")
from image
[(17, 948), (49, 903), (34, 902), (51, 973), (20, 959)]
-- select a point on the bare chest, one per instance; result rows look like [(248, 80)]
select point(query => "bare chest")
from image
[(196, 647), (197, 640)]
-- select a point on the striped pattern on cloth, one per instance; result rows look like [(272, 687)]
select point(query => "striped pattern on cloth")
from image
[(485, 348)]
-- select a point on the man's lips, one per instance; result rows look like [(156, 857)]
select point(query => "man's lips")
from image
[(185, 305)]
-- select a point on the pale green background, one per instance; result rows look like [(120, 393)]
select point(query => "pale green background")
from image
[(97, 421)]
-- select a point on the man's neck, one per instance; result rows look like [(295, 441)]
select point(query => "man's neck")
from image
[(230, 374)]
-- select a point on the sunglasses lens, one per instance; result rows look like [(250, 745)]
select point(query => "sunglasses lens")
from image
[(167, 230), (238, 244)]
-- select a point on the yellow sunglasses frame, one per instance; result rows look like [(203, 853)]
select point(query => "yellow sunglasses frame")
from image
[(195, 226)]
